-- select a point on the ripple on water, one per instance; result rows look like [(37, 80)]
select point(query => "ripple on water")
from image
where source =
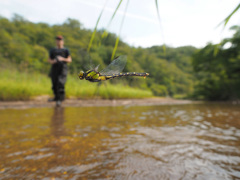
[(180, 152)]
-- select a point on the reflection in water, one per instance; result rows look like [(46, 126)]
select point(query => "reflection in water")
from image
[(57, 122), (152, 142)]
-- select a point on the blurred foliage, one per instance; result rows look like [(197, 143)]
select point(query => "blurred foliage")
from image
[(218, 74), (25, 46)]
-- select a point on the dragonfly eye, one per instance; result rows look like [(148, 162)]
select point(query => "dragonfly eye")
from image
[(81, 75)]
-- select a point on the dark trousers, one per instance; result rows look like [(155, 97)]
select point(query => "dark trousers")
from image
[(59, 77)]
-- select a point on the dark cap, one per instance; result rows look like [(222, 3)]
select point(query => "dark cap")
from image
[(59, 37)]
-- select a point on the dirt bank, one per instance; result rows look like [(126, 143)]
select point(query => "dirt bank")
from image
[(42, 102)]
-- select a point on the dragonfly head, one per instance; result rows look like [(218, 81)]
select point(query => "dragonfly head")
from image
[(81, 75)]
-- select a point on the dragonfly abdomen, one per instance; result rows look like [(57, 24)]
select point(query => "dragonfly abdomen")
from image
[(127, 74)]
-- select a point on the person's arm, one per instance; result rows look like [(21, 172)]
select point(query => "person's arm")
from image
[(51, 58), (52, 61), (68, 59)]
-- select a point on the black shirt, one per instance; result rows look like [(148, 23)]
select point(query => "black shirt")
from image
[(59, 67), (64, 52)]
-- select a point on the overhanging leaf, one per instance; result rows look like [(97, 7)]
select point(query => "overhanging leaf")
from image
[(95, 29), (159, 19), (225, 21), (117, 40), (105, 32)]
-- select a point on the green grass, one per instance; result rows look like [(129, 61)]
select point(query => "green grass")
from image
[(15, 85), (180, 96)]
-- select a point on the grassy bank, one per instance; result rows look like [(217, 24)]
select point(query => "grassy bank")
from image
[(16, 85)]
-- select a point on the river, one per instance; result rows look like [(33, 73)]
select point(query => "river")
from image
[(193, 141)]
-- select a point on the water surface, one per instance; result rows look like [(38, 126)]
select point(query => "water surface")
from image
[(142, 142)]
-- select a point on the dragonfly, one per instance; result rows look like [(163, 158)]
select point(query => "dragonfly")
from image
[(113, 70)]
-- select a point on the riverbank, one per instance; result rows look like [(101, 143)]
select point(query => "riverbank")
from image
[(41, 101)]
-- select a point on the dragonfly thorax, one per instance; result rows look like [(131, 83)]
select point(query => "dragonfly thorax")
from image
[(91, 75)]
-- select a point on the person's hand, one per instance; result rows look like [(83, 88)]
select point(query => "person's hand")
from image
[(60, 58), (54, 61)]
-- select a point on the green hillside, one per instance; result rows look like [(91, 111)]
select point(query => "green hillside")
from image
[(24, 46)]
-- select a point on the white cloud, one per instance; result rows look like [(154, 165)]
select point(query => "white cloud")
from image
[(145, 41), (6, 13)]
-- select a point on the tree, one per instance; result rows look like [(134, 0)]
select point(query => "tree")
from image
[(218, 75)]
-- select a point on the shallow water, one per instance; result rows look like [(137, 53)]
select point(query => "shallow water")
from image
[(142, 142)]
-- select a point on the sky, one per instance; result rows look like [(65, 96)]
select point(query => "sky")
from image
[(182, 22)]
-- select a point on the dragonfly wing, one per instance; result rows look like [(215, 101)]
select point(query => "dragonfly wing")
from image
[(83, 59), (96, 68), (116, 66)]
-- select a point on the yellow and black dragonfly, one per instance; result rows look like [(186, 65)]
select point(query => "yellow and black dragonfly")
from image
[(113, 70)]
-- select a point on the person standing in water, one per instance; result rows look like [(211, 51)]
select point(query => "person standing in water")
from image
[(59, 57)]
